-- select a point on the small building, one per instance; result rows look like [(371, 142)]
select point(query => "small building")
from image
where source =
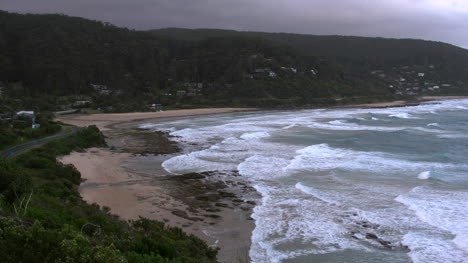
[(156, 106), (421, 74), (29, 114), (272, 74), (35, 126), (181, 93), (101, 89), (81, 103)]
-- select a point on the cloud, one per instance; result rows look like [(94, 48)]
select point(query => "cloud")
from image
[(441, 20)]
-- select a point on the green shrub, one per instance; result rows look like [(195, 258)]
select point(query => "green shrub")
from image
[(58, 226)]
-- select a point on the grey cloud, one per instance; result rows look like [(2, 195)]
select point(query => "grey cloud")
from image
[(441, 20)]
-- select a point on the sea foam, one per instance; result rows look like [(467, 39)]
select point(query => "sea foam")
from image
[(445, 210), (424, 175)]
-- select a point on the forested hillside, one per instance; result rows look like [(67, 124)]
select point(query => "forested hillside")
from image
[(49, 62)]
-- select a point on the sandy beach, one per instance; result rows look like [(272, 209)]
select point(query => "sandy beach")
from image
[(102, 120), (127, 178)]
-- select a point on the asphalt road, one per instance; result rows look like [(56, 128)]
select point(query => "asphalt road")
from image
[(19, 148)]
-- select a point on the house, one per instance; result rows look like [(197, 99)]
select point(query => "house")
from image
[(313, 71), (101, 89), (446, 85), (421, 75), (156, 106), (294, 70), (272, 74), (377, 72), (29, 114), (181, 93), (81, 103)]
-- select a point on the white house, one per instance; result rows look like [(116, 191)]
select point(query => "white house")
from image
[(421, 74), (25, 113), (29, 114)]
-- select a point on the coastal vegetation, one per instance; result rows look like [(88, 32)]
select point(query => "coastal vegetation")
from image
[(44, 219), (57, 62), (19, 130)]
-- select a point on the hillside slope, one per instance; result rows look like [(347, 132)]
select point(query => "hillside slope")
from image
[(50, 58)]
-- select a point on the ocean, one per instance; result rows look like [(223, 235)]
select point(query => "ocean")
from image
[(343, 185)]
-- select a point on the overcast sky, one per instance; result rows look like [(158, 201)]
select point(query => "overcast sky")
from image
[(441, 20)]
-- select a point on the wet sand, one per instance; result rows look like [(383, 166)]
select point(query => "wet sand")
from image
[(102, 120), (127, 177)]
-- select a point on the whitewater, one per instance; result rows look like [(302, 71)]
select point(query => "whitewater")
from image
[(343, 185)]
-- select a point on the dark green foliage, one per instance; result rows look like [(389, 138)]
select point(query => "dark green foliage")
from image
[(58, 226), (45, 57), (19, 130), (13, 182)]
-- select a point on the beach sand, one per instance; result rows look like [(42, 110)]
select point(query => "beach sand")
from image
[(102, 120), (127, 178)]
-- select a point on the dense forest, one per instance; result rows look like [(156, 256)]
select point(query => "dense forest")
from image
[(49, 62)]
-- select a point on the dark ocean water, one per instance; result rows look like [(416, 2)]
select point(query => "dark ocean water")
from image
[(349, 185)]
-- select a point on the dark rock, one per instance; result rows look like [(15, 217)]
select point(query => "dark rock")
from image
[(212, 216), (226, 194)]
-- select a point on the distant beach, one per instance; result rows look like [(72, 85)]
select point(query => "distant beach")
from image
[(128, 178)]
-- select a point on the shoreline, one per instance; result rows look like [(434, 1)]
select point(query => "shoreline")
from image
[(128, 178)]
